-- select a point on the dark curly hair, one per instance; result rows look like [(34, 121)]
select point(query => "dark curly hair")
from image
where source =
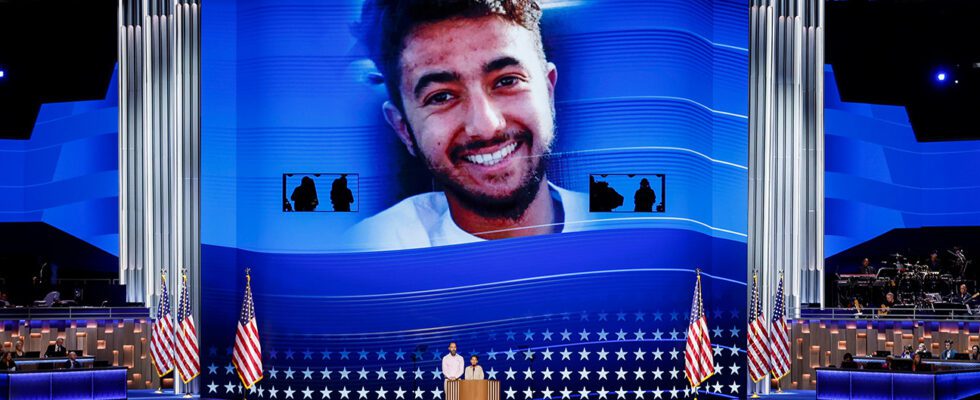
[(385, 24)]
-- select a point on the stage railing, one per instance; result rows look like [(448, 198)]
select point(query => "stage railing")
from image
[(66, 313), (893, 314)]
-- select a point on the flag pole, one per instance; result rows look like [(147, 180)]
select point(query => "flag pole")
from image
[(779, 383), (248, 284), (183, 275), (755, 384), (698, 273), (163, 278)]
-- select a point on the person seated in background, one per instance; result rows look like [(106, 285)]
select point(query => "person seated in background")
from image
[(922, 351), (72, 362), (57, 349), (7, 362), (18, 349), (908, 352), (848, 362), (474, 371), (889, 363), (917, 365), (975, 352), (948, 351), (3, 299)]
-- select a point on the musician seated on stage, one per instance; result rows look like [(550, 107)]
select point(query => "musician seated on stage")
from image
[(933, 263), (975, 353), (866, 267), (848, 362), (948, 352), (474, 371), (964, 296), (888, 303)]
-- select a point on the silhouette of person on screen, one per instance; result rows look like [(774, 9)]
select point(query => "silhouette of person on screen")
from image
[(602, 197), (644, 197), (304, 196), (471, 95), (340, 195)]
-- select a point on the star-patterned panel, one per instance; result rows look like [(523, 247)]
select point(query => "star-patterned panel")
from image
[(600, 355)]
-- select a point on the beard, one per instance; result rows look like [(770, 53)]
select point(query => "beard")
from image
[(510, 206)]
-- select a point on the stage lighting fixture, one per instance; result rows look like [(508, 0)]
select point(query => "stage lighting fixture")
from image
[(1, 73), (941, 76)]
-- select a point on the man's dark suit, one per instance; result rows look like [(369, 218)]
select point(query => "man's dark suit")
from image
[(56, 351), (72, 364)]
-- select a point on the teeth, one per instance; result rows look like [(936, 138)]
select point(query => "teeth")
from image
[(492, 158)]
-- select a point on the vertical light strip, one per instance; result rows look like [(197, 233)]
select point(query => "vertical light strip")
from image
[(121, 53)]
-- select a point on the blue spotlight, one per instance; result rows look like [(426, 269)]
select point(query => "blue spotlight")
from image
[(1, 73), (941, 76)]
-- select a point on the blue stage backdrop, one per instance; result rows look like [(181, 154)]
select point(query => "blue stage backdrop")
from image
[(878, 177), (67, 173), (600, 310)]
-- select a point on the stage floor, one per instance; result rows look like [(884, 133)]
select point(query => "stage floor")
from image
[(149, 394), (793, 395), (169, 395)]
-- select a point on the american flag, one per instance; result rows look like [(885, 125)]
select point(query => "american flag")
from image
[(188, 358), (778, 338), (699, 365), (162, 339), (248, 352), (758, 350)]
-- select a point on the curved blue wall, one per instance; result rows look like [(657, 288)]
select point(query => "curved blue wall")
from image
[(67, 173), (878, 177)]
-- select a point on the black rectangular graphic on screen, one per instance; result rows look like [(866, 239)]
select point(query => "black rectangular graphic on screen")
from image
[(641, 193), (319, 192)]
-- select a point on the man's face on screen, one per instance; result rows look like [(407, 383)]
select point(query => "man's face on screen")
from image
[(478, 101)]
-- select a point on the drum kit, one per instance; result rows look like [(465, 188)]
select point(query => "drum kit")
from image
[(914, 284)]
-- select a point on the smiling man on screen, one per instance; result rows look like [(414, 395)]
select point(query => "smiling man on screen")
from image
[(472, 95)]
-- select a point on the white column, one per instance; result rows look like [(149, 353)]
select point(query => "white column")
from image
[(159, 149), (786, 150)]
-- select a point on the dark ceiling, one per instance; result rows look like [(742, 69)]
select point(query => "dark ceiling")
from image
[(892, 52), (882, 51), (52, 51)]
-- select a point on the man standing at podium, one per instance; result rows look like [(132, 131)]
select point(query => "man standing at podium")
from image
[(474, 371), (452, 364)]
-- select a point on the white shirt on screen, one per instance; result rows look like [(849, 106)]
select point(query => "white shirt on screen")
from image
[(474, 372), (452, 366), (424, 220)]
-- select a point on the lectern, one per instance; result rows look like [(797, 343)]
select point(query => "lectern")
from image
[(473, 389)]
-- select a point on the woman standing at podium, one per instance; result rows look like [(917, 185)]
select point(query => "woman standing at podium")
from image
[(474, 371)]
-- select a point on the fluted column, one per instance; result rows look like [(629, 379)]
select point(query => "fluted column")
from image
[(786, 158), (159, 148)]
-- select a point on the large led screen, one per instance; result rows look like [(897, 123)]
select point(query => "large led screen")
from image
[(535, 181)]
